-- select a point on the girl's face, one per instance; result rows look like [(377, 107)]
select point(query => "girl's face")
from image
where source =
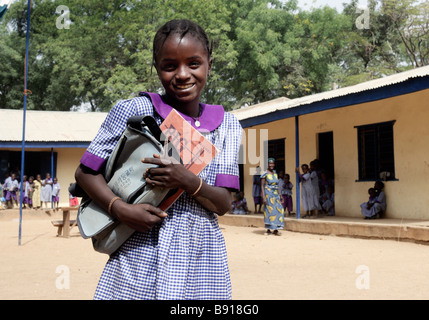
[(183, 67), (304, 169), (271, 165)]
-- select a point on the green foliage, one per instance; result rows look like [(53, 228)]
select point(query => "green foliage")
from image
[(262, 49)]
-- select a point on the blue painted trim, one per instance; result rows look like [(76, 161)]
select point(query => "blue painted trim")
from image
[(298, 202), (57, 145), (408, 86), (373, 180)]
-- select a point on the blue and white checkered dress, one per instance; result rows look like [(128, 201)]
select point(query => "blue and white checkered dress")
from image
[(184, 257)]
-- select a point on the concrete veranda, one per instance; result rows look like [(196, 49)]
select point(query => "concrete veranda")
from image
[(385, 228)]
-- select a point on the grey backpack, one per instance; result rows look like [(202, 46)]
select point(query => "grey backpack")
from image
[(124, 175)]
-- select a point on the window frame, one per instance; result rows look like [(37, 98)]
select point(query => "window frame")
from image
[(376, 127)]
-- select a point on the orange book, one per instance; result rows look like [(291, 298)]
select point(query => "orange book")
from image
[(195, 150)]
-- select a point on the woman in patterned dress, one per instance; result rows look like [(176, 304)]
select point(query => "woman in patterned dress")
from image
[(180, 253), (273, 212)]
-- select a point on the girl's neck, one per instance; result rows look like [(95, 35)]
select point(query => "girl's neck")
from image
[(191, 109)]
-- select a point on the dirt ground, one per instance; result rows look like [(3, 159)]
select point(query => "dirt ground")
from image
[(285, 267)]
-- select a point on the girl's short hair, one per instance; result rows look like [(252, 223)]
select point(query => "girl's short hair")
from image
[(182, 28)]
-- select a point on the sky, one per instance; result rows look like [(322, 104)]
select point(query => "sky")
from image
[(337, 4)]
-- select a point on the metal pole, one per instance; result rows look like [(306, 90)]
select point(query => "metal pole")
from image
[(52, 174), (298, 203), (23, 121)]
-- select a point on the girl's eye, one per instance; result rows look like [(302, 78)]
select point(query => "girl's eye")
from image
[(195, 64), (169, 67)]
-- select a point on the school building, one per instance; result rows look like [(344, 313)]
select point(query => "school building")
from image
[(54, 143), (374, 130), (377, 129)]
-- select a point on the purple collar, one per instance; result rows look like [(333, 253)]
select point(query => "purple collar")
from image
[(211, 115)]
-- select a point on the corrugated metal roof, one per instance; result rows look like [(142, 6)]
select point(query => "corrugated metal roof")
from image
[(50, 126), (283, 103)]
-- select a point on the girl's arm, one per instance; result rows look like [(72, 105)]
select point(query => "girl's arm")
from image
[(141, 217), (173, 175)]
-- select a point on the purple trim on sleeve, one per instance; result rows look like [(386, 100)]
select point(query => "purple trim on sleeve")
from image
[(91, 161), (211, 115), (227, 181)]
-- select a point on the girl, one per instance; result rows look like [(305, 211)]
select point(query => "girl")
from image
[(37, 203), (30, 191), (273, 212), (377, 202), (307, 191), (367, 208), (181, 253), (55, 194), (239, 205), (46, 192), (287, 194), (316, 190), (256, 190), (25, 193)]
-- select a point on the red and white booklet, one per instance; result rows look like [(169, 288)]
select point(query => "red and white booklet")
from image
[(195, 150)]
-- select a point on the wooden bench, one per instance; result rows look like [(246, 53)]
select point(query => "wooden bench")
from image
[(64, 226), (60, 225)]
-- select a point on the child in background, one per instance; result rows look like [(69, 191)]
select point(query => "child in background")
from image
[(30, 192), (239, 205), (12, 186), (73, 201), (316, 189), (287, 194), (367, 207), (2, 199), (55, 194), (25, 189), (307, 191), (329, 201)]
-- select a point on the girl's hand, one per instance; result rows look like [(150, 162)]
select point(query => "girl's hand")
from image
[(169, 174), (141, 217)]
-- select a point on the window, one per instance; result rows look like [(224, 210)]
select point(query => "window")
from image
[(375, 147)]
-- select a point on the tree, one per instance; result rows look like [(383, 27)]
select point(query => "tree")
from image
[(410, 20)]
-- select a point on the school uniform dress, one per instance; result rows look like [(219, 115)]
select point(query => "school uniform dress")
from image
[(46, 192), (273, 211), (287, 196), (37, 202), (26, 193), (256, 190), (316, 190), (238, 207), (56, 192), (185, 256), (12, 186), (307, 193), (329, 203), (378, 207)]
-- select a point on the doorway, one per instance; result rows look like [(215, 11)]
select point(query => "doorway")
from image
[(326, 152)]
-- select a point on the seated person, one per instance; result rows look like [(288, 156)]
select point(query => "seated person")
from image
[(328, 201), (376, 205), (239, 205)]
